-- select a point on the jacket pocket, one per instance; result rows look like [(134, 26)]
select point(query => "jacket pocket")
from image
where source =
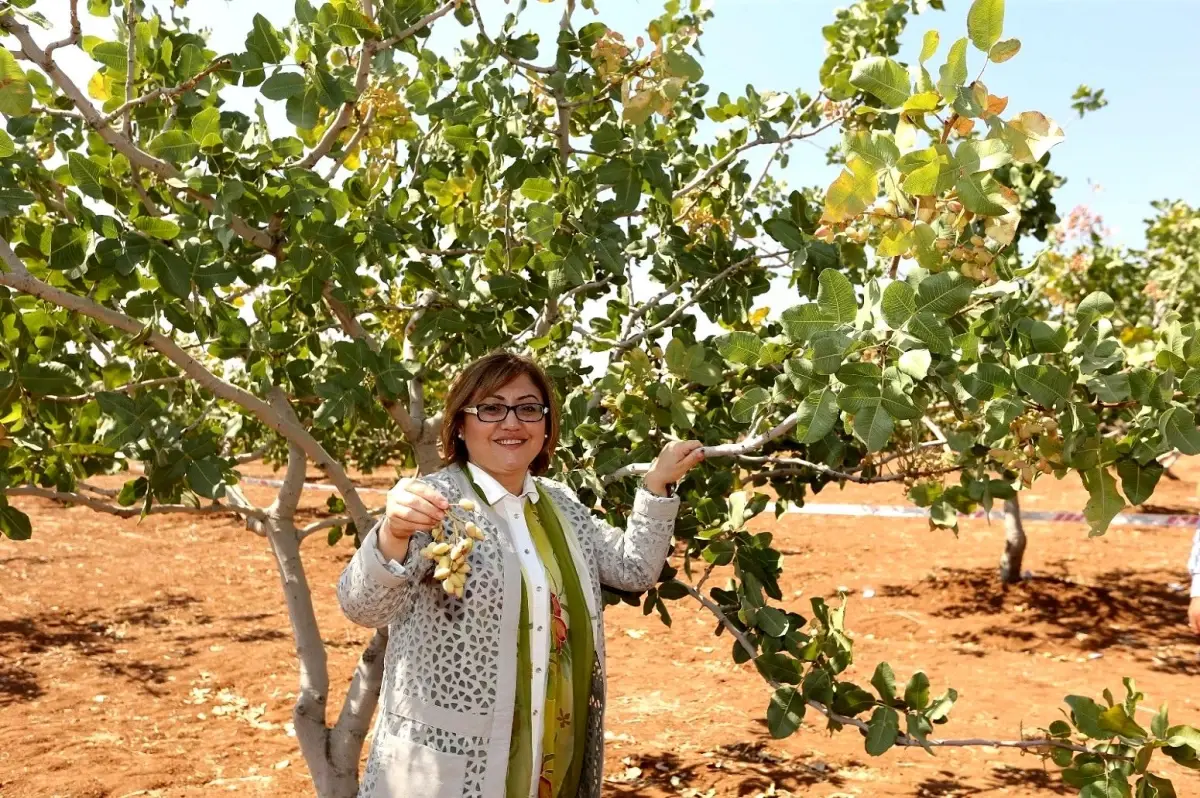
[(410, 770)]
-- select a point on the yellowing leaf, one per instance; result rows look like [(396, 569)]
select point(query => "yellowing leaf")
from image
[(757, 316), (964, 126), (1031, 135), (98, 88), (1002, 51), (848, 196), (995, 106)]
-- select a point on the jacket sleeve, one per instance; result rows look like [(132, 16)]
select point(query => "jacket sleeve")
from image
[(630, 559), (375, 593), (1194, 565)]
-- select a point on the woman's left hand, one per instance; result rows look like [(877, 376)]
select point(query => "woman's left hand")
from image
[(675, 460)]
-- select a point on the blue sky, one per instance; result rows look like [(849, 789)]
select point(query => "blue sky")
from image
[(1144, 54)]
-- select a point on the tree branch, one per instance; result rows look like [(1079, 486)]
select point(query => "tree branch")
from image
[(130, 512), (362, 78), (330, 523), (137, 157), (75, 35), (416, 385), (902, 739), (162, 92), (351, 325), (633, 341), (517, 62), (346, 737), (130, 388), (750, 444), (358, 136), (728, 158), (288, 499), (21, 280)]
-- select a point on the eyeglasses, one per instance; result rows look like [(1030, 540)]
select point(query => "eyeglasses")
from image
[(493, 412)]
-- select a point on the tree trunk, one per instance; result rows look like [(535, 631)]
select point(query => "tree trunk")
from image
[(428, 459), (1014, 543)]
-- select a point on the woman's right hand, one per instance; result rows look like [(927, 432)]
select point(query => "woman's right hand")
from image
[(412, 506)]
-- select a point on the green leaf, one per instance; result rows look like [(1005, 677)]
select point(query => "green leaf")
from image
[(330, 94), (916, 693), (1096, 305), (899, 304), (851, 193), (771, 621), (283, 85), (14, 523), (538, 189), (205, 478), (954, 72), (86, 174), (1178, 426), (266, 42), (68, 247), (174, 146), (744, 406), (884, 682), (980, 194), (876, 147), (817, 415), (1086, 714), (206, 127), (873, 426), (778, 667), (932, 331), (1116, 719), (157, 227), (740, 347), (16, 95), (944, 293), (802, 322), (985, 23), (1003, 51), (785, 712), (1138, 481), (785, 232), (883, 728), (915, 363), (8, 147), (683, 65), (1049, 386), (883, 78), (835, 297), (1104, 501), (929, 45), (48, 379), (981, 155)]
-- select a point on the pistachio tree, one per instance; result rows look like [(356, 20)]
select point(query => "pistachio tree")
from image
[(187, 289)]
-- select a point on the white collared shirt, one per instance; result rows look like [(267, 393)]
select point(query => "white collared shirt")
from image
[(511, 510)]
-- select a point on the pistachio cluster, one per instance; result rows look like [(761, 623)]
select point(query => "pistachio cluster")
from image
[(450, 552)]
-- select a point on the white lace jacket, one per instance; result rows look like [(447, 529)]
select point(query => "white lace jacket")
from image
[(446, 705)]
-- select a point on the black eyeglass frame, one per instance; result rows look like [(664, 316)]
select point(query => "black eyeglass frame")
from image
[(474, 410)]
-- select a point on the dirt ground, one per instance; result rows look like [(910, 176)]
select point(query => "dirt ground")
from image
[(156, 659)]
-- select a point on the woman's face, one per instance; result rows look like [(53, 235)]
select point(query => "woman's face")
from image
[(509, 446)]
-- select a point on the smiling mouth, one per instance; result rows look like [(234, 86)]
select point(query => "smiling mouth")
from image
[(511, 443)]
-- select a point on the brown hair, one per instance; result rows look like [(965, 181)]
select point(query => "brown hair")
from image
[(483, 377)]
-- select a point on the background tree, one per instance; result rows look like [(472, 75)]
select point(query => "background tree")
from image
[(186, 290)]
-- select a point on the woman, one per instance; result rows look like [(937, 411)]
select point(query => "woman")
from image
[(494, 675)]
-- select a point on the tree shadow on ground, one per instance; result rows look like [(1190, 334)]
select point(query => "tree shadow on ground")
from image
[(1120, 608), (948, 784), (755, 767), (97, 635)]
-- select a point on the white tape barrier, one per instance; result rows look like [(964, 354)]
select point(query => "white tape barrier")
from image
[(885, 511)]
